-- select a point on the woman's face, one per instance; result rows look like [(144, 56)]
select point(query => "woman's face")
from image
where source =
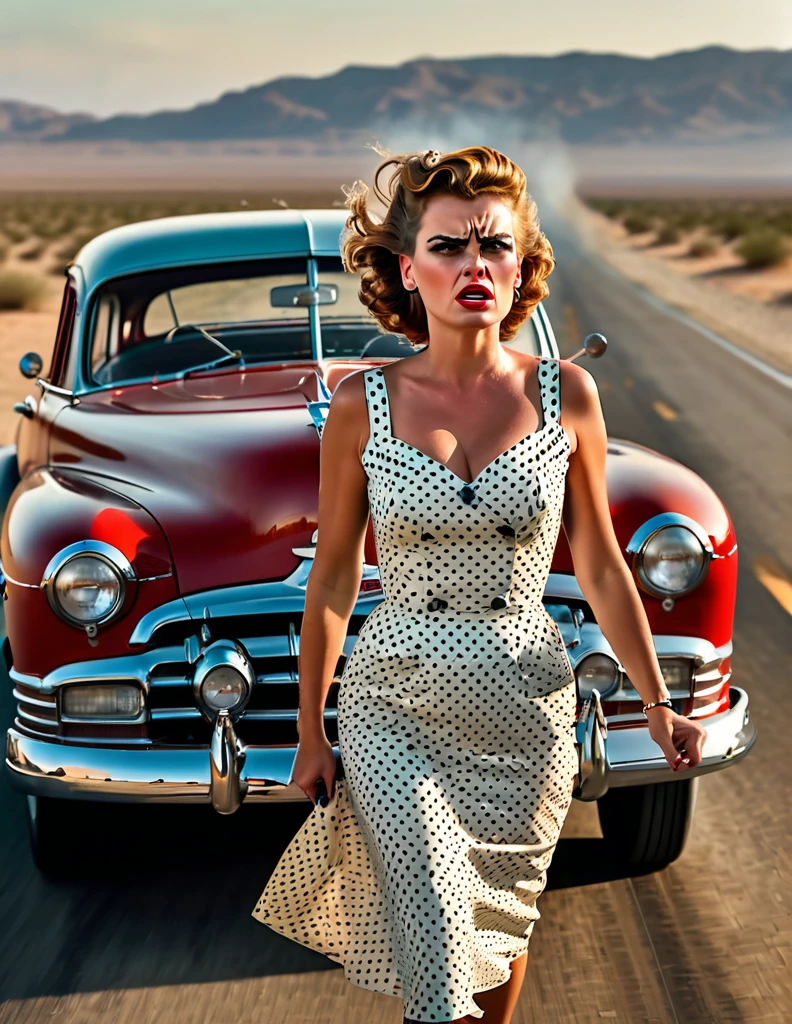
[(464, 243)]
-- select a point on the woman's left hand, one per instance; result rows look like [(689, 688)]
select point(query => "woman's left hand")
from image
[(680, 738)]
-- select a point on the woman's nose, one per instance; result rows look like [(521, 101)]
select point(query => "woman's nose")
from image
[(478, 268)]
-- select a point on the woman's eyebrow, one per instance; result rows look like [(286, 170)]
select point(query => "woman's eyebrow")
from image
[(484, 238)]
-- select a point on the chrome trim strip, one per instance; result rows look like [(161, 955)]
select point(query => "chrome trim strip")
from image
[(17, 583), (62, 392), (252, 715), (28, 717), (171, 612), (34, 700), (283, 596)]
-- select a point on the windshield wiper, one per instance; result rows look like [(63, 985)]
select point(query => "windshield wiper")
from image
[(230, 354), (236, 355)]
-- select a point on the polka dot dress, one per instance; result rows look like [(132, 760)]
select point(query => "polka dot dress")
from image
[(456, 717)]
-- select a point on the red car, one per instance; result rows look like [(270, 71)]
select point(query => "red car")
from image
[(159, 516)]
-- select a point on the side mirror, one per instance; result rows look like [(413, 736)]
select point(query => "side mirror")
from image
[(594, 345), (30, 364), (303, 295)]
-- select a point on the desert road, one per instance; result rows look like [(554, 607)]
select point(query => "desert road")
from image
[(162, 932)]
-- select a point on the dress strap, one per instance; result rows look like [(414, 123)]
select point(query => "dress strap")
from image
[(377, 402), (550, 389)]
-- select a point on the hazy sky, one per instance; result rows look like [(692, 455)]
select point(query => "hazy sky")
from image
[(106, 57)]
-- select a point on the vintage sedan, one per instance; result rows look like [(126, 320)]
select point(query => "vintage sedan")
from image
[(159, 518)]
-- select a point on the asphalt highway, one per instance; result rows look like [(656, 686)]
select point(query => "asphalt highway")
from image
[(159, 928)]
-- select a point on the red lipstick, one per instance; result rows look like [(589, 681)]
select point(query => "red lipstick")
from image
[(475, 296)]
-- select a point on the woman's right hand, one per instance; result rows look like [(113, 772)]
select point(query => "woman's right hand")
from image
[(314, 760)]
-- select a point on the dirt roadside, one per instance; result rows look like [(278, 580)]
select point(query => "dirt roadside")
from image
[(752, 314)]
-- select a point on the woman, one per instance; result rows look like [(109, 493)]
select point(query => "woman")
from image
[(457, 703)]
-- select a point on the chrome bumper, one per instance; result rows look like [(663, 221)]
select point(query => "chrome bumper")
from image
[(228, 772), (635, 759)]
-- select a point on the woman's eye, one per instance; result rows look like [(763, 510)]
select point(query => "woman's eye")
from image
[(452, 247)]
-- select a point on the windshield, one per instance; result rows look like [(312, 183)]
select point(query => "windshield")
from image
[(170, 322), (141, 329)]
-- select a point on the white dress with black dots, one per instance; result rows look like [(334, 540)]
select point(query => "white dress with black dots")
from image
[(456, 714)]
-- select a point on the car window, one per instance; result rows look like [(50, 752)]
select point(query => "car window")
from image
[(61, 372), (132, 319), (219, 302)]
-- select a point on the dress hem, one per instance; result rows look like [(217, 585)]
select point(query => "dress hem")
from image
[(474, 1010)]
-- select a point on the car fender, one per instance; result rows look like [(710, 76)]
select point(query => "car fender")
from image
[(54, 508)]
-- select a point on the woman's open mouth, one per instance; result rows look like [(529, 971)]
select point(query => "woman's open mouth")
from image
[(475, 296)]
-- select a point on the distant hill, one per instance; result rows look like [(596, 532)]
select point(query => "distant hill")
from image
[(20, 121), (714, 94)]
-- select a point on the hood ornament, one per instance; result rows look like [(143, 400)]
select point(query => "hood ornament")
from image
[(319, 407)]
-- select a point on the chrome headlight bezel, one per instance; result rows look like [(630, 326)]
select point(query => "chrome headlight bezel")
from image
[(111, 556), (647, 532), (223, 653)]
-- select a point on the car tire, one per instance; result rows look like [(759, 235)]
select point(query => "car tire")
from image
[(646, 827), (53, 836)]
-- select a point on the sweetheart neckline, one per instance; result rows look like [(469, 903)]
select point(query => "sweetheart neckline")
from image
[(468, 483), (478, 476), (475, 480)]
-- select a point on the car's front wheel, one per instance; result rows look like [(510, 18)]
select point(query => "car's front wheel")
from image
[(646, 827), (54, 835)]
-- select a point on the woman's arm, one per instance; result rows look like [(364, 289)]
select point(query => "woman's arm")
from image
[(601, 571), (334, 580)]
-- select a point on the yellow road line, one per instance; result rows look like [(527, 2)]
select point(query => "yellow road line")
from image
[(664, 410), (772, 578)]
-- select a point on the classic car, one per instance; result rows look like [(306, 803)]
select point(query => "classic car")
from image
[(159, 517)]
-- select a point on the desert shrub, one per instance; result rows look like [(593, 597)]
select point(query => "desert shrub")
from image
[(637, 223), (688, 217), (46, 227), (763, 247), (19, 290), (781, 220), (703, 247), (612, 208), (34, 251), (667, 235), (15, 232), (730, 224)]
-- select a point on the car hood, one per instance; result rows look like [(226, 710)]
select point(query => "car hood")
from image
[(228, 464)]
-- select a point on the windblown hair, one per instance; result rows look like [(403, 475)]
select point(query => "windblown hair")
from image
[(371, 248)]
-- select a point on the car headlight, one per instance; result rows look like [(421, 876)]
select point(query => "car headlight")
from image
[(224, 678), (596, 670), (86, 583), (671, 555)]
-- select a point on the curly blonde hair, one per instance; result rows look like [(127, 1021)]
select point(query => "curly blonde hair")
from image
[(372, 248)]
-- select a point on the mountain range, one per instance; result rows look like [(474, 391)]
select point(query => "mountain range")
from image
[(713, 94)]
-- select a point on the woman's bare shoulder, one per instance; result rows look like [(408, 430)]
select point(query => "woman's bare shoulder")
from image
[(581, 409), (348, 408), (579, 391)]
